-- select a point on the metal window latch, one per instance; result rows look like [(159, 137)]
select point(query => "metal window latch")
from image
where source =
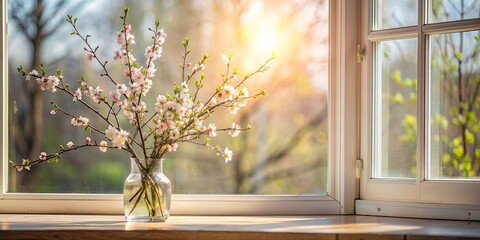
[(360, 53), (358, 168)]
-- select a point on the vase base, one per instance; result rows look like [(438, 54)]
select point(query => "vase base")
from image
[(145, 219)]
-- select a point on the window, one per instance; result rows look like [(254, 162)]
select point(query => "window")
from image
[(420, 78), (299, 152)]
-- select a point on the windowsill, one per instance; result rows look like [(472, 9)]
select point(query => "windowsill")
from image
[(23, 226)]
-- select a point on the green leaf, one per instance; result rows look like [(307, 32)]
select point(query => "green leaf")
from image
[(398, 98), (442, 122), (397, 77), (459, 56), (386, 54), (43, 69), (408, 82), (457, 141), (458, 151), (469, 137), (21, 70), (446, 158)]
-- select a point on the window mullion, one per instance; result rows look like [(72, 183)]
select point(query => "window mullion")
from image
[(422, 102), (394, 33), (451, 27)]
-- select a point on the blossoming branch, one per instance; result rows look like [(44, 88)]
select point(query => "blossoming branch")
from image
[(177, 117)]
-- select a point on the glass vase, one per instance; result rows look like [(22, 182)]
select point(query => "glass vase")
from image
[(147, 192)]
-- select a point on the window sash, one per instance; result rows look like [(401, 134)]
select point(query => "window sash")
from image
[(341, 180), (418, 189)]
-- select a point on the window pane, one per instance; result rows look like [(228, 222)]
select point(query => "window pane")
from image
[(286, 153), (395, 98), (455, 105), (452, 10), (394, 13)]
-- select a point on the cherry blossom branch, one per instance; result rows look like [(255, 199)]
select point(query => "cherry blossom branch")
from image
[(129, 65), (177, 118), (92, 51), (186, 51), (46, 158)]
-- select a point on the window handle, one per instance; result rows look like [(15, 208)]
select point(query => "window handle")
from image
[(360, 53), (358, 168)]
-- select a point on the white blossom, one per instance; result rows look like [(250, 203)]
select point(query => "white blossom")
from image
[(227, 155), (103, 146), (80, 121), (234, 130)]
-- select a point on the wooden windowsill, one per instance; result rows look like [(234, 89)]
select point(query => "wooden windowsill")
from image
[(23, 226)]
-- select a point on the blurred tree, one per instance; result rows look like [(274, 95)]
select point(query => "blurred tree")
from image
[(37, 23), (455, 98)]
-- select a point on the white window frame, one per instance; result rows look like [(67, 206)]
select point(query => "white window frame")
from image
[(409, 197), (343, 148)]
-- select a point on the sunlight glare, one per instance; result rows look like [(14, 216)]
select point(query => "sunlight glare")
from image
[(264, 38)]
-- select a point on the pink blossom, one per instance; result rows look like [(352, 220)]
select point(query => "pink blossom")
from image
[(115, 96), (33, 73), (90, 56), (42, 156), (212, 130), (150, 73), (77, 95), (121, 89), (128, 27), (80, 121), (49, 83), (172, 147), (227, 92), (26, 163), (174, 134), (171, 124), (88, 140), (199, 68), (161, 127)]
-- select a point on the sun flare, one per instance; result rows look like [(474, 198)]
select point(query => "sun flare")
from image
[(264, 38)]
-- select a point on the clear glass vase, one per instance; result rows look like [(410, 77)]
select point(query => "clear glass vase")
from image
[(147, 192)]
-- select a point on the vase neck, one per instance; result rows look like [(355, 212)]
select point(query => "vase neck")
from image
[(150, 164)]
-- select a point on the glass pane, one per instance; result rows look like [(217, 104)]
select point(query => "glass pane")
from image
[(395, 120), (286, 152), (452, 10), (455, 106), (394, 13)]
